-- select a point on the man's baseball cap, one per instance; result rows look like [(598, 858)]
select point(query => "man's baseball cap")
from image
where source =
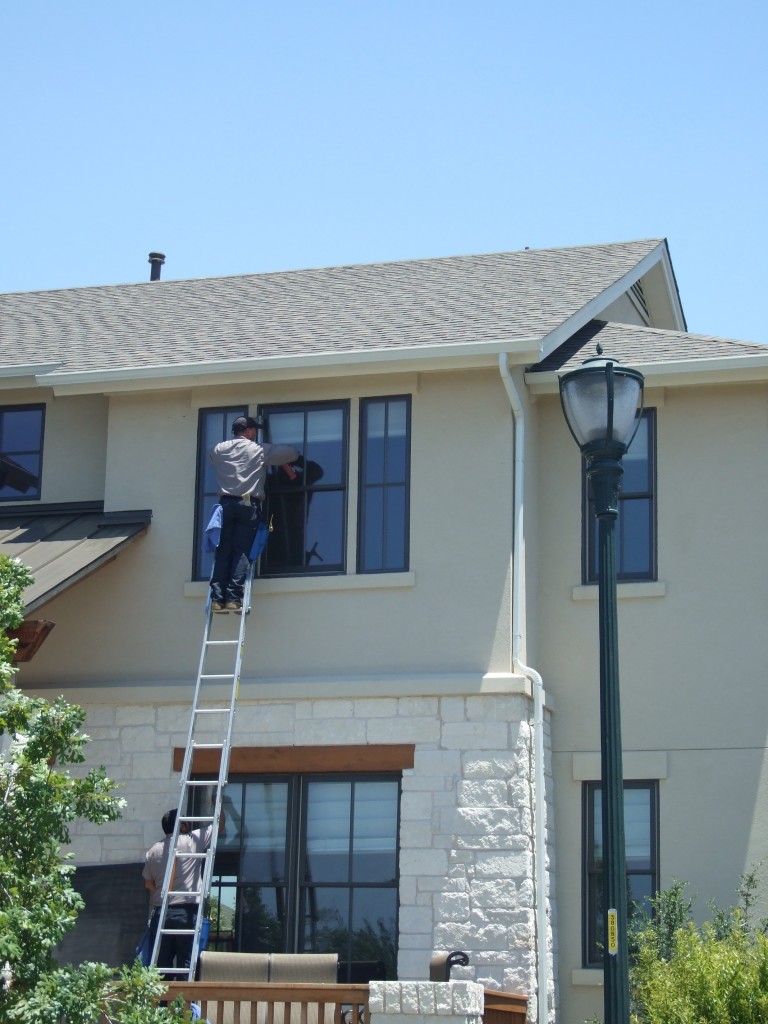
[(243, 422)]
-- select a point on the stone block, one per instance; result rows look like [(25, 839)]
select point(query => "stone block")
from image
[(99, 715), (416, 807), (379, 707), (452, 906), (139, 738), (423, 862), (332, 709), (419, 706), (452, 709), (439, 763), (498, 765), (467, 997), (409, 997), (474, 735), (498, 894), (426, 991), (415, 919), (483, 793), (136, 714), (504, 863)]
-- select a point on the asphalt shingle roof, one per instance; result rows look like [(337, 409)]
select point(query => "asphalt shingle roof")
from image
[(452, 300), (640, 346)]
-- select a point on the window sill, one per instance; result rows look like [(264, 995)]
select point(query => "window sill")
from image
[(625, 591), (587, 976), (313, 584)]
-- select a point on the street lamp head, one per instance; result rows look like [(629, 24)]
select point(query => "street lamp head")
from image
[(602, 403)]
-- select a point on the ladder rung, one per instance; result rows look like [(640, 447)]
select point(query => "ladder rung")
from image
[(183, 892), (207, 746), (220, 643), (197, 817), (218, 675), (211, 711), (200, 782)]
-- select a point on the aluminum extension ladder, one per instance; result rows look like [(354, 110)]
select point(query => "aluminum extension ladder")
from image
[(205, 709)]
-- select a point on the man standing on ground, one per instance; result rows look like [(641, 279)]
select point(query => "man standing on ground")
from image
[(176, 950), (240, 466)]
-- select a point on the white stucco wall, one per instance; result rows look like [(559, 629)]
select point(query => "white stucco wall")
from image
[(692, 669)]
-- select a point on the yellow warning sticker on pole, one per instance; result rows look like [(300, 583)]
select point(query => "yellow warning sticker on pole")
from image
[(613, 932)]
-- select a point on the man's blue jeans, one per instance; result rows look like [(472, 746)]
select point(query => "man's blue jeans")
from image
[(230, 565)]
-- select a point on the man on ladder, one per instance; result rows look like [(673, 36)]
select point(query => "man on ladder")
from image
[(176, 949), (240, 466)]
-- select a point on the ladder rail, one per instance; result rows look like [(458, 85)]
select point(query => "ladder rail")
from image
[(189, 785)]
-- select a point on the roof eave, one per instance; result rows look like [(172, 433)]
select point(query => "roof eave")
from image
[(350, 363), (675, 373)]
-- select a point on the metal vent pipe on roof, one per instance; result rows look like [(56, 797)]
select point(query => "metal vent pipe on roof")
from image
[(157, 259)]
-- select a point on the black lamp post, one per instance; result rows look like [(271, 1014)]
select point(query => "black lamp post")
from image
[(602, 402)]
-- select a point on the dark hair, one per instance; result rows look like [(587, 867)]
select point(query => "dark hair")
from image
[(243, 423), (169, 820)]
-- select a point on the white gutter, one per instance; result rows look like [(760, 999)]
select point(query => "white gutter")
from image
[(524, 347), (517, 615)]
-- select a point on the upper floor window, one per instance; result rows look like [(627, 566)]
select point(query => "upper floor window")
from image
[(214, 425), (21, 451), (308, 504), (636, 524), (641, 816)]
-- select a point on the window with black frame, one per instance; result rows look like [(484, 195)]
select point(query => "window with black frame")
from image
[(309, 864), (214, 425), (384, 484), (307, 503), (21, 452), (636, 523), (641, 815)]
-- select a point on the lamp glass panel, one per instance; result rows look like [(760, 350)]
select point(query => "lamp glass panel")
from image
[(585, 403), (626, 397)]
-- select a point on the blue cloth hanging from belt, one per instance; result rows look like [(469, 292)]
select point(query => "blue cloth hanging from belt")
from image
[(213, 529)]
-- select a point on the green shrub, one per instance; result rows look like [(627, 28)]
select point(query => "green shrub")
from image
[(716, 973)]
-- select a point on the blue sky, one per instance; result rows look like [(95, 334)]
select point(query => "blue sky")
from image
[(248, 136)]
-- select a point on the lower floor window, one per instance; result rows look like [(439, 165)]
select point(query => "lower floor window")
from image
[(641, 803), (308, 864)]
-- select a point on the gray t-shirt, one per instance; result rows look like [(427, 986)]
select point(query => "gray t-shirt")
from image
[(241, 464), (188, 869)]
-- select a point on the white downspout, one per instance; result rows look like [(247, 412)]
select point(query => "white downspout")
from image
[(518, 614)]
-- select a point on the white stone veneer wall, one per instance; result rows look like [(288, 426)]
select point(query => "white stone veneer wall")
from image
[(460, 1002), (466, 849)]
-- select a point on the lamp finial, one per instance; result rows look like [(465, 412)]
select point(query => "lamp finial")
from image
[(599, 349)]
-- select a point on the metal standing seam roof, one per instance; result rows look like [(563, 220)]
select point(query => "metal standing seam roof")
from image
[(62, 545), (444, 301), (634, 345)]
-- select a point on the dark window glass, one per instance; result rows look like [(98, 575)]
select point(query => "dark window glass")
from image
[(307, 505), (642, 858), (309, 864), (21, 452), (384, 484), (636, 523), (214, 425)]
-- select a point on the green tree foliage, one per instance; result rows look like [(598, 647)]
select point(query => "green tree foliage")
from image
[(715, 973), (40, 739)]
